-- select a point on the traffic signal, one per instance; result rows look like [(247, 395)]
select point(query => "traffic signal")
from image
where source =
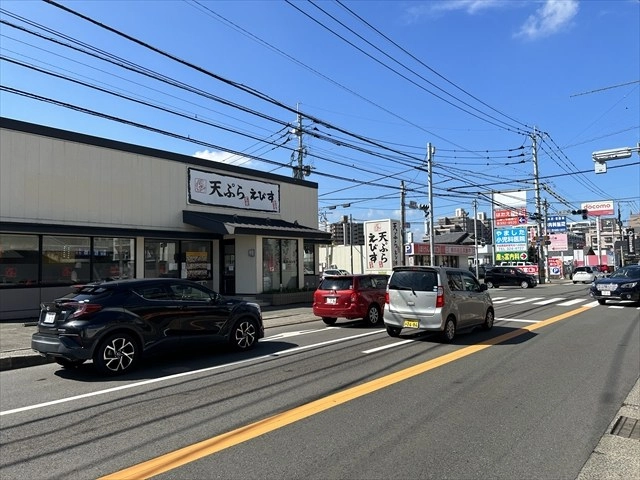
[(583, 212)]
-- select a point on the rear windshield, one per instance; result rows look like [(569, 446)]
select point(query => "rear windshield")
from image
[(337, 283), (424, 281), (87, 293)]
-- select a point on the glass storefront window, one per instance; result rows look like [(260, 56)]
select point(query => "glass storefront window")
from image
[(309, 259), (19, 259), (289, 264), (279, 264), (113, 258), (270, 264), (65, 259), (161, 258), (197, 260)]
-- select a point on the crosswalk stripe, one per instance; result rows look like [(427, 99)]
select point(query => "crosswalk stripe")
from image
[(548, 300), (573, 302), (505, 300), (533, 299)]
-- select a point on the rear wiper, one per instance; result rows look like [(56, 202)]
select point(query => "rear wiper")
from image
[(405, 288)]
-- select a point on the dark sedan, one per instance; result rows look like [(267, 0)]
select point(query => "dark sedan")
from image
[(623, 284), (114, 323)]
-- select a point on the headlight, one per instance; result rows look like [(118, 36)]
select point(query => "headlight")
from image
[(629, 285)]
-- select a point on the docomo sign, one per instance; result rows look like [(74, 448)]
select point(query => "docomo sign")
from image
[(595, 209)]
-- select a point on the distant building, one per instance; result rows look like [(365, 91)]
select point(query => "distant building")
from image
[(462, 222), (341, 233)]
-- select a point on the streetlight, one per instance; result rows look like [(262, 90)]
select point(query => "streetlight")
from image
[(600, 157)]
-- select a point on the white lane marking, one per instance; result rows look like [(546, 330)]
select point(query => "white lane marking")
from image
[(572, 302), (178, 375), (384, 347), (548, 300), (591, 304), (497, 298), (532, 299), (507, 300), (295, 334)]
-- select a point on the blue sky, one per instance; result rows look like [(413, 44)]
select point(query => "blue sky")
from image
[(374, 83)]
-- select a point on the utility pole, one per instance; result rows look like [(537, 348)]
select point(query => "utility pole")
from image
[(299, 171), (621, 264), (403, 215), (430, 152), (541, 258), (475, 233), (351, 239), (545, 246)]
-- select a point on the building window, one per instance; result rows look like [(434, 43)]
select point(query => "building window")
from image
[(65, 259), (279, 264), (270, 264), (113, 258), (170, 258), (309, 259), (161, 258), (197, 260), (289, 264), (19, 259)]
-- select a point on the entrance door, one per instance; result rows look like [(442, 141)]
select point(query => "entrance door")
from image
[(228, 280)]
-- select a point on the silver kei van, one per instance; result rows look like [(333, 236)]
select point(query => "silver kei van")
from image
[(439, 299)]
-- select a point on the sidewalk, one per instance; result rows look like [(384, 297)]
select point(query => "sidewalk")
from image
[(617, 455)]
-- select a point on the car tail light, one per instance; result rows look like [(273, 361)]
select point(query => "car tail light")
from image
[(86, 309), (440, 298), (386, 298)]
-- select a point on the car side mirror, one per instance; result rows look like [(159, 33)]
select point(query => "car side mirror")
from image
[(483, 287)]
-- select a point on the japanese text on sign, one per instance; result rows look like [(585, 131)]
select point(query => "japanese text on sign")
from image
[(210, 188), (382, 245)]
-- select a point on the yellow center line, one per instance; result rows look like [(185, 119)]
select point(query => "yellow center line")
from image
[(213, 445)]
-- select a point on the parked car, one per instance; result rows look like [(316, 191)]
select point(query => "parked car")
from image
[(505, 276), (114, 323), (622, 284), (351, 297), (482, 269), (332, 271), (438, 299), (586, 274)]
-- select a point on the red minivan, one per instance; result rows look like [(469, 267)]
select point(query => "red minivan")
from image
[(351, 297)]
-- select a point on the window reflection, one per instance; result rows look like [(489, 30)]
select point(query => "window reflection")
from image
[(19, 259)]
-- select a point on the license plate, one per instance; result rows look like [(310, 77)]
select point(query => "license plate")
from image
[(605, 293), (411, 324), (331, 300), (50, 317)]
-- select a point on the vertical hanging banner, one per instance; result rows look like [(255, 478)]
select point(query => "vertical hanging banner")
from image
[(383, 245)]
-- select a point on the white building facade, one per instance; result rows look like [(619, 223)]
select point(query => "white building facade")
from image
[(76, 208)]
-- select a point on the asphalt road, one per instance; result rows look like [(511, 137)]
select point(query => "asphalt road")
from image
[(529, 399)]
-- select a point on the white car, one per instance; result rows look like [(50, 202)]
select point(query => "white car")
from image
[(332, 271), (586, 274)]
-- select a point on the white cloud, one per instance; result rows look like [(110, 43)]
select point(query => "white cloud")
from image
[(552, 17), (416, 11), (469, 6), (224, 157)]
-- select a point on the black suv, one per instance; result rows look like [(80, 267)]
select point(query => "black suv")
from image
[(499, 276), (114, 323)]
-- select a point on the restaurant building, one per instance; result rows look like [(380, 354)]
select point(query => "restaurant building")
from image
[(76, 208)]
